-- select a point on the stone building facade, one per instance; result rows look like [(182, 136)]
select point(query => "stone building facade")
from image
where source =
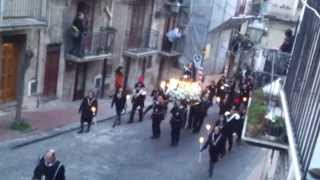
[(128, 33)]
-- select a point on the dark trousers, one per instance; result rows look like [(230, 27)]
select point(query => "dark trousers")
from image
[(175, 135), (156, 127), (191, 120), (133, 111), (83, 120), (198, 123), (117, 120), (239, 128), (211, 167), (148, 109), (230, 140), (76, 42)]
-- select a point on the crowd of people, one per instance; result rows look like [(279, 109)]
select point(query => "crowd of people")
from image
[(230, 95)]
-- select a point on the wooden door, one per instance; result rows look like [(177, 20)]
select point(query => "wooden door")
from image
[(51, 71), (9, 72), (136, 31)]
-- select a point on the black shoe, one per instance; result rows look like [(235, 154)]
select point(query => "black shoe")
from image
[(129, 122), (88, 130), (80, 132)]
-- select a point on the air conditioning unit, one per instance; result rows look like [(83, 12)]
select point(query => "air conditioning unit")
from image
[(32, 87)]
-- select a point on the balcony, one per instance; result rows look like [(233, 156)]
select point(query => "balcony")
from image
[(93, 46), (22, 14), (173, 50), (265, 125), (142, 45)]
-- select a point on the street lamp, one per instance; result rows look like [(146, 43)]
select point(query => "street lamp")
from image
[(256, 30)]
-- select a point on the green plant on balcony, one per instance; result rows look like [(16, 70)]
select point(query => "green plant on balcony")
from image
[(276, 128), (256, 114)]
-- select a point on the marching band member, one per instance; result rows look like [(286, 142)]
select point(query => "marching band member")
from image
[(139, 96), (214, 141), (176, 122), (157, 116)]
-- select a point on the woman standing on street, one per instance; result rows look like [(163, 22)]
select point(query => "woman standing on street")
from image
[(88, 110), (214, 142), (119, 99)]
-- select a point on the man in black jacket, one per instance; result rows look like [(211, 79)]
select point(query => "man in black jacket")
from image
[(49, 168), (119, 99), (157, 116), (176, 122), (78, 27), (214, 141)]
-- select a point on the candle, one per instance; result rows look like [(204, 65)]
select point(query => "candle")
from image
[(208, 127), (201, 141)]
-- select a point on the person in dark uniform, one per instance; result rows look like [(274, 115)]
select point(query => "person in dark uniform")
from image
[(154, 94), (201, 113), (157, 116), (214, 142), (239, 125), (49, 168), (212, 90), (88, 110), (194, 109), (244, 94), (139, 96), (119, 99), (228, 128), (176, 123)]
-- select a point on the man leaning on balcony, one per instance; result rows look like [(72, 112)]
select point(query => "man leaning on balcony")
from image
[(77, 33)]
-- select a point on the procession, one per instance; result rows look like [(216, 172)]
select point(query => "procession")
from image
[(185, 102)]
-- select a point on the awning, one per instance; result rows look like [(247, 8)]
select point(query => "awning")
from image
[(233, 22), (21, 23)]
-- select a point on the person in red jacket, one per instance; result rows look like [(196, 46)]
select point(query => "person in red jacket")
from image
[(119, 78)]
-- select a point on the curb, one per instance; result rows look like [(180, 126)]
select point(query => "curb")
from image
[(53, 133)]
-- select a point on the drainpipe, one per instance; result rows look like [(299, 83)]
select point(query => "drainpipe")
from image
[(36, 76)]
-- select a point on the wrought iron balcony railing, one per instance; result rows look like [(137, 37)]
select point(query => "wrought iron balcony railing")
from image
[(23, 13), (142, 44), (92, 44), (149, 39)]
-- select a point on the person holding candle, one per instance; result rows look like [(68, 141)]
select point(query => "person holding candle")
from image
[(214, 142), (157, 116), (88, 110)]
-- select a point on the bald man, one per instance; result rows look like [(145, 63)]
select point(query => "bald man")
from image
[(49, 168)]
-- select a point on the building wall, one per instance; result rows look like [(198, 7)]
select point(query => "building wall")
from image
[(275, 35)]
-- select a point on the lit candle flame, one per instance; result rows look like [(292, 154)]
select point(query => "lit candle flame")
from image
[(245, 99), (208, 127), (201, 140), (93, 109), (218, 99)]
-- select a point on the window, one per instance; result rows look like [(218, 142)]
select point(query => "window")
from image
[(98, 81)]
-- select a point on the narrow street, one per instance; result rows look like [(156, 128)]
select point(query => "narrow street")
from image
[(127, 152)]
